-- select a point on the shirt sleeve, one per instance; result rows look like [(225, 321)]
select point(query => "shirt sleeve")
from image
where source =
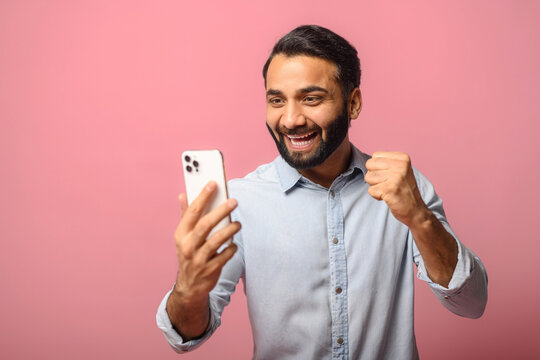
[(466, 294), (219, 298)]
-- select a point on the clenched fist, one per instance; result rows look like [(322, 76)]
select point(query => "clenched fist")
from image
[(391, 178)]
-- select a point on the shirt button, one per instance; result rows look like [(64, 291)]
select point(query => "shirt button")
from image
[(332, 193), (338, 290), (335, 241), (447, 297), (340, 341)]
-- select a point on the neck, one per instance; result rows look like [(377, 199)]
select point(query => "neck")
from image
[(331, 168)]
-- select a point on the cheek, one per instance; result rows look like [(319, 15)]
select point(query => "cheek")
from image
[(272, 118), (321, 117)]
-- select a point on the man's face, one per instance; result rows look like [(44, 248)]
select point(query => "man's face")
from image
[(305, 111)]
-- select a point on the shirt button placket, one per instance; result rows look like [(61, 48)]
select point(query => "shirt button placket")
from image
[(338, 272)]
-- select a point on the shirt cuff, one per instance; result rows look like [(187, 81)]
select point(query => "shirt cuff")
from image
[(462, 271), (173, 337)]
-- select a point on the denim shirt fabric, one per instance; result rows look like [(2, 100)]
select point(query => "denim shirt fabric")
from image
[(328, 272)]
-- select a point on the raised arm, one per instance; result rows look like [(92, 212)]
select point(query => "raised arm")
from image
[(455, 275), (391, 178)]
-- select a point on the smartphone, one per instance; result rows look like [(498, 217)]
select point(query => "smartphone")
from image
[(201, 166)]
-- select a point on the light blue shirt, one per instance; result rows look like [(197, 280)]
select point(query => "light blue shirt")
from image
[(328, 272)]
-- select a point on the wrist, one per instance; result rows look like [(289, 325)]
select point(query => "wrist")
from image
[(188, 299), (189, 316), (422, 220)]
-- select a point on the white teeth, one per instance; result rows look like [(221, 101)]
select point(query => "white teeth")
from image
[(298, 136), (301, 143), (296, 139)]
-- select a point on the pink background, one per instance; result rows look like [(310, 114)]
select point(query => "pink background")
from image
[(99, 98)]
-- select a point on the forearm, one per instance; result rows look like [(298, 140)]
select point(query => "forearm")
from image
[(189, 318), (437, 247)]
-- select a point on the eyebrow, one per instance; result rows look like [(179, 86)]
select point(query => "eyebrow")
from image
[(300, 91), (270, 92), (312, 89)]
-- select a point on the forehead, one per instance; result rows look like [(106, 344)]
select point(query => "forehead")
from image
[(301, 71)]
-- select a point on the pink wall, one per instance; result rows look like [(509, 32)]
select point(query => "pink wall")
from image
[(99, 98)]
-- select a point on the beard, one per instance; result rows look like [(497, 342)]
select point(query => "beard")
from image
[(336, 133)]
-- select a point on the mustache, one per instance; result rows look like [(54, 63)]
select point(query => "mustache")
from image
[(299, 131)]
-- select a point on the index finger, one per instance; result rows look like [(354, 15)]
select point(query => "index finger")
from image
[(194, 211), (383, 163), (390, 155)]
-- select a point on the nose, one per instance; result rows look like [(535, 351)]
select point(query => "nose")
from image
[(292, 116)]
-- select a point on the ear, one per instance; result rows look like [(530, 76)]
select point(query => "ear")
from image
[(355, 103)]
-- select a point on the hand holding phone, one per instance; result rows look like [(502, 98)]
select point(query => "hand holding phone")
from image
[(199, 263), (203, 229)]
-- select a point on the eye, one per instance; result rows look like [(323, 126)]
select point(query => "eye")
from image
[(276, 101), (312, 100)]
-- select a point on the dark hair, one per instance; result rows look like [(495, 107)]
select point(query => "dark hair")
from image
[(313, 40)]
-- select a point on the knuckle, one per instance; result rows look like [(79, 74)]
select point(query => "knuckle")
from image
[(228, 231), (177, 238), (204, 223), (214, 241), (186, 251), (195, 208), (200, 233), (179, 233), (202, 228), (198, 262), (393, 190)]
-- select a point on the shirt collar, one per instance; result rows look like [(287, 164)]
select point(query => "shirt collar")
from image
[(358, 160), (289, 176)]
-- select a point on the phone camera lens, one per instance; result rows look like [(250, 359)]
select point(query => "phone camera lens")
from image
[(187, 158), (189, 168), (195, 163)]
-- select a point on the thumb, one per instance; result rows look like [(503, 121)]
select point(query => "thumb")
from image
[(375, 192)]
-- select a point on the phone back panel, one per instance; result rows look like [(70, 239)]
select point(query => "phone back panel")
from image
[(199, 167)]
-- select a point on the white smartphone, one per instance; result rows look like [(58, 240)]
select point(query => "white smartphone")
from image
[(201, 166)]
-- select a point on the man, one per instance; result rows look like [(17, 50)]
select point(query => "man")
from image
[(328, 232)]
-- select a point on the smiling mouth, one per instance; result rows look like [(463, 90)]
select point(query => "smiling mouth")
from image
[(302, 140)]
